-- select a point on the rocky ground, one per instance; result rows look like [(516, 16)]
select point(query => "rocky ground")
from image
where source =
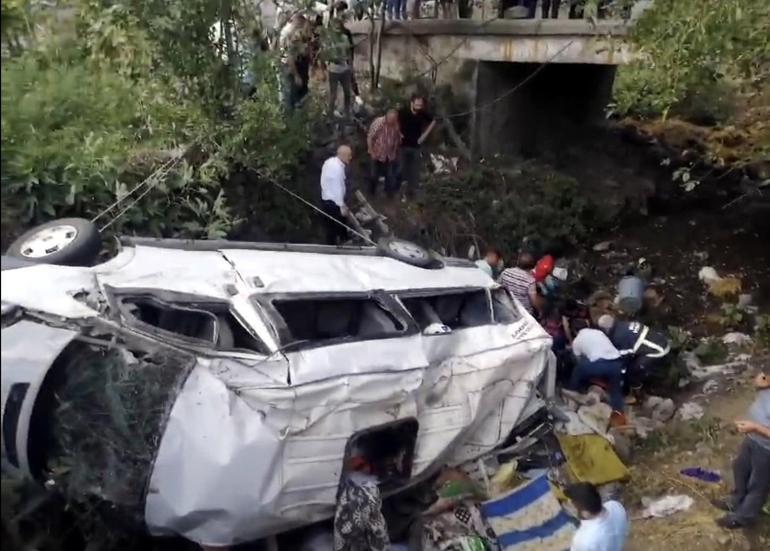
[(710, 443), (678, 245)]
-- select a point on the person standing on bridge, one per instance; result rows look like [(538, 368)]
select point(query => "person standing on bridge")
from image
[(551, 6), (396, 9), (416, 125)]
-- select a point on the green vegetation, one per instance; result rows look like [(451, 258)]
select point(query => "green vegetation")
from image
[(531, 200), (94, 103), (695, 55)]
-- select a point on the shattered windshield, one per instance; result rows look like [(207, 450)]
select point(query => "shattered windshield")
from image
[(102, 423)]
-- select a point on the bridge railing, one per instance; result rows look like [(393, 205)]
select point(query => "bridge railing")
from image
[(494, 9)]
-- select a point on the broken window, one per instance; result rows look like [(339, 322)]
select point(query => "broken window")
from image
[(504, 309), (210, 323), (99, 418), (321, 319), (455, 310), (387, 452)]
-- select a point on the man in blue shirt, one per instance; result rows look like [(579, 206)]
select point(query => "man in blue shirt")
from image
[(751, 469)]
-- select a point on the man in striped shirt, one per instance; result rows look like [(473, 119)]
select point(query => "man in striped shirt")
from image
[(383, 142), (520, 281)]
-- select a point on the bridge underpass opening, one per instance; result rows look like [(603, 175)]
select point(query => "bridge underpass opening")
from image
[(551, 106)]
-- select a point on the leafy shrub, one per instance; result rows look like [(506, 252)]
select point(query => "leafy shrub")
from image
[(694, 50), (86, 119), (489, 204)]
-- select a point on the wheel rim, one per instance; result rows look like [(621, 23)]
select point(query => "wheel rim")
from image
[(407, 249), (49, 241)]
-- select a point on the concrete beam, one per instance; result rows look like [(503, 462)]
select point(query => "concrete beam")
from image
[(497, 27)]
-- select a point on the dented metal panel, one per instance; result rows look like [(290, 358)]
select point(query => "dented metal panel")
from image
[(261, 459), (254, 444), (28, 352)]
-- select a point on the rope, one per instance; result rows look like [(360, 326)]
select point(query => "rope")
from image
[(136, 187), (315, 208), (155, 176), (515, 88)]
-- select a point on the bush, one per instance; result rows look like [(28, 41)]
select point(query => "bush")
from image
[(72, 132), (694, 50), (486, 204), (88, 117)]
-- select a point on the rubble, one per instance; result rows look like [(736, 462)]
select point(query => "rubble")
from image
[(710, 387), (665, 506), (659, 409), (690, 411), (725, 287), (707, 274), (699, 372), (603, 246), (736, 338), (596, 416), (644, 426), (746, 303)]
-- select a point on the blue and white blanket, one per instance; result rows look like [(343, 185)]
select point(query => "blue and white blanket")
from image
[(529, 518)]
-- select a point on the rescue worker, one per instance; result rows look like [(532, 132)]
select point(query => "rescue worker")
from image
[(643, 349), (598, 359)]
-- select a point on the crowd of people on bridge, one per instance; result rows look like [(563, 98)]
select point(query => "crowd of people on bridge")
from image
[(396, 10)]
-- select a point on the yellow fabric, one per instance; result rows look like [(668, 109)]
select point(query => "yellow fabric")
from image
[(590, 458), (558, 492)]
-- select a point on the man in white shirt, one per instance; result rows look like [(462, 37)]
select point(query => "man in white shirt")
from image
[(597, 358), (491, 262), (333, 194), (603, 527)]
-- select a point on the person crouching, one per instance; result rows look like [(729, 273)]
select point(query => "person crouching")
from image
[(645, 350), (597, 358)]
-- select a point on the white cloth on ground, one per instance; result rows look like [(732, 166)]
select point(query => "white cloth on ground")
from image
[(606, 532), (594, 345), (333, 181)]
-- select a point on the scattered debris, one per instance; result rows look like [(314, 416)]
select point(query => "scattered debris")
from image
[(737, 339), (602, 246), (707, 274), (572, 424), (665, 506), (726, 287), (644, 426), (658, 408), (690, 411), (710, 387), (700, 372), (701, 474), (505, 478), (596, 416), (746, 304), (442, 164)]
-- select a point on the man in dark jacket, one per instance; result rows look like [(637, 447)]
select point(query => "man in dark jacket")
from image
[(644, 349)]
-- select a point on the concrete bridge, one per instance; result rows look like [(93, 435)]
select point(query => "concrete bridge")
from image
[(527, 83)]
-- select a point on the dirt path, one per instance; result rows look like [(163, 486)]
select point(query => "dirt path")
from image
[(710, 443)]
